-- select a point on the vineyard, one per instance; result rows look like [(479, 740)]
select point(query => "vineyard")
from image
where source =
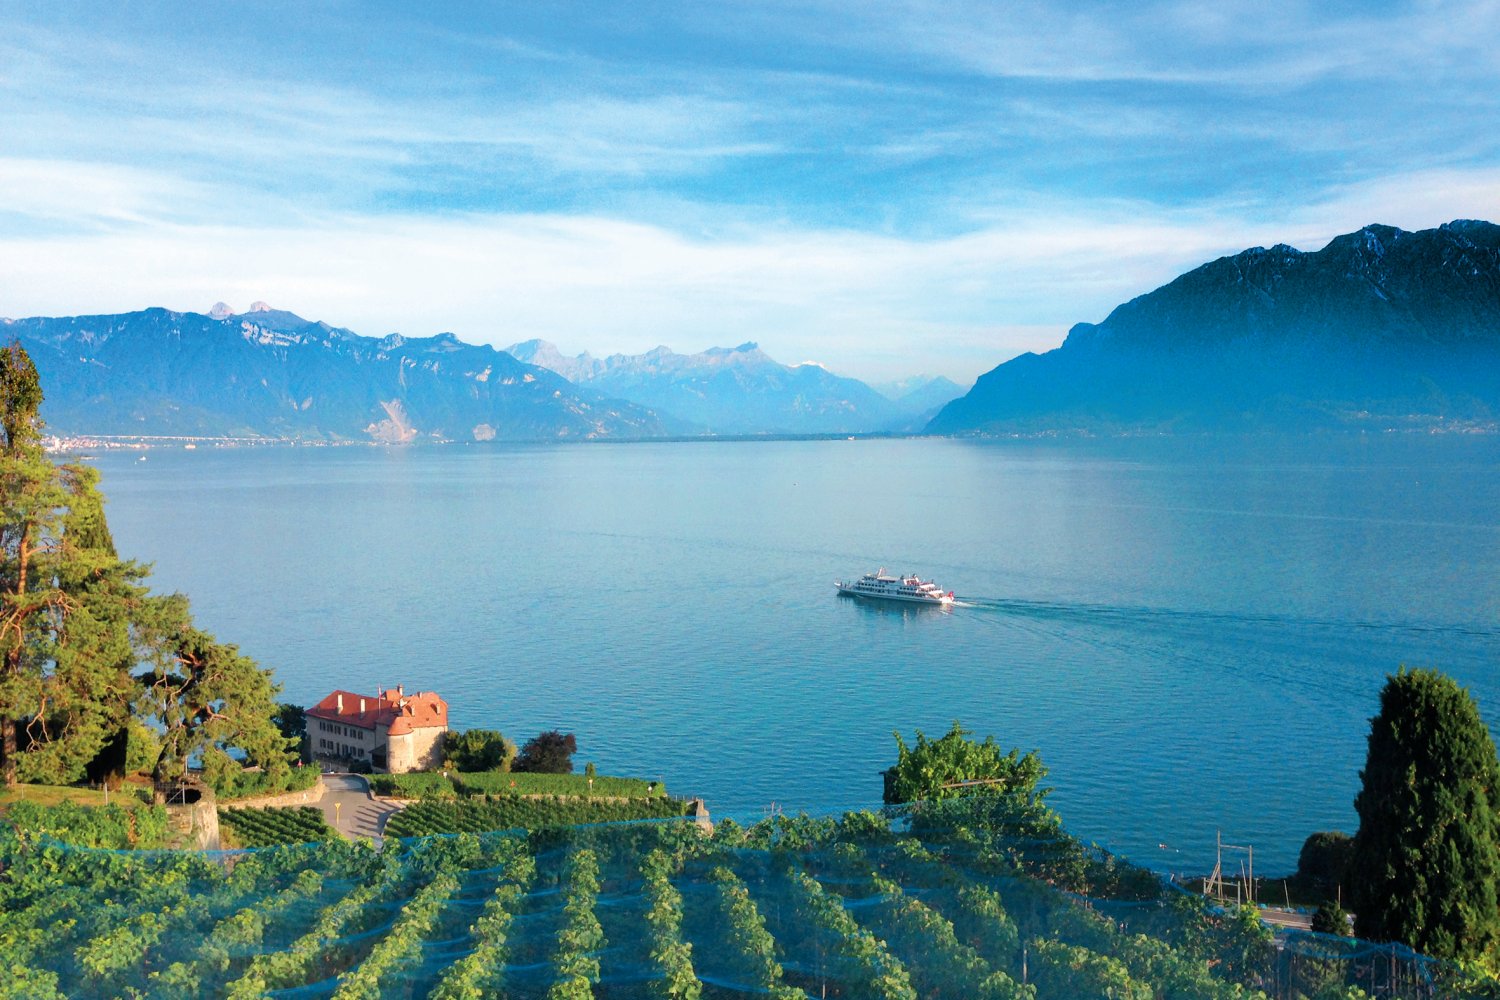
[(448, 785), (270, 827), (525, 783), (509, 812), (898, 906)]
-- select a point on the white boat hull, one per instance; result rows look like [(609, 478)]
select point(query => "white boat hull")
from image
[(913, 599)]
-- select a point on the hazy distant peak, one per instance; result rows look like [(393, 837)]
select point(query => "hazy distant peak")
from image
[(544, 354), (221, 310), (920, 392), (748, 347), (259, 307)]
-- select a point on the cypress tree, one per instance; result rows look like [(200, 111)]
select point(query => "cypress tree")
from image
[(1427, 855)]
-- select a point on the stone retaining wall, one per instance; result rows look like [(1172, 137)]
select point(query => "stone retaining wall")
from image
[(200, 822), (306, 797)]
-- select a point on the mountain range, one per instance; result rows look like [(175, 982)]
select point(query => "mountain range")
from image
[(741, 390), (1381, 328), (271, 373)]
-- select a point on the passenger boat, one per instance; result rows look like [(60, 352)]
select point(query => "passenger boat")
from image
[(881, 587)]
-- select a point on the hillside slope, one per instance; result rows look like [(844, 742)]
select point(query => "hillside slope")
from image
[(1380, 328)]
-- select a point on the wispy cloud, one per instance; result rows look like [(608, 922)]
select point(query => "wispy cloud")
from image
[(1179, 42), (863, 303), (883, 187)]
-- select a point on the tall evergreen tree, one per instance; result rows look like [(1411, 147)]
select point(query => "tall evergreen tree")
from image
[(1426, 858), (77, 622), (67, 602), (31, 503), (98, 636)]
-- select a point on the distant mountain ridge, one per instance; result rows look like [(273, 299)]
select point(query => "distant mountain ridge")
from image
[(738, 390), (1380, 328), (271, 373)]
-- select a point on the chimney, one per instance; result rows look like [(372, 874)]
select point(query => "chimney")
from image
[(401, 689), (340, 703), (361, 706)]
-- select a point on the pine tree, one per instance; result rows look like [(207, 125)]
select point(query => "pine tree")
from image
[(68, 604), (205, 697), (31, 503), (77, 623), (1427, 855), (95, 642)]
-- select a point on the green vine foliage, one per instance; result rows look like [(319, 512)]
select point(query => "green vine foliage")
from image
[(510, 812), (268, 827), (955, 766), (789, 908), (400, 945), (581, 936), (481, 972), (878, 972), (750, 942), (673, 956)]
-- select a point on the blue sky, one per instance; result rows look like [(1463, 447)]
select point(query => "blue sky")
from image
[(885, 188)]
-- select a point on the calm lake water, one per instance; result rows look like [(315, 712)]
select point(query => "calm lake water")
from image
[(1193, 634)]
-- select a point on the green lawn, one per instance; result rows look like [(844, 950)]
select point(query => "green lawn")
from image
[(51, 795)]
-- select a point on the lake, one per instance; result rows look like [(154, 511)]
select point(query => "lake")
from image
[(1193, 633)]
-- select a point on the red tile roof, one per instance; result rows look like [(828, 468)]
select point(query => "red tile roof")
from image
[(399, 711)]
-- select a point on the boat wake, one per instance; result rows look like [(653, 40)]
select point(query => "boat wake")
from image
[(1126, 615)]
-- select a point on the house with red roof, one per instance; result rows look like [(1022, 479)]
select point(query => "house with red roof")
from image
[(392, 731)]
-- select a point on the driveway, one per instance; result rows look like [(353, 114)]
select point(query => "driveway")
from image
[(351, 809)]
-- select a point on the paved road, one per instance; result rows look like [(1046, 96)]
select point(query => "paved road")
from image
[(350, 808)]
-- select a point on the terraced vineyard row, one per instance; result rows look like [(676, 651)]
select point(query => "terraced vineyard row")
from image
[(269, 827), (790, 908), (510, 812)]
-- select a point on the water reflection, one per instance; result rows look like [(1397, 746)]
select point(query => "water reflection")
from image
[(896, 609)]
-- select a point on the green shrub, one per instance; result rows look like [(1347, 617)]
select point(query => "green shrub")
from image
[(478, 750), (113, 826), (413, 785), (241, 783), (1324, 859), (547, 753)]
